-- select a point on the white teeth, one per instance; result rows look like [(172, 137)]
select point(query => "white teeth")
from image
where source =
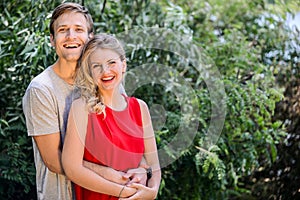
[(107, 78), (71, 45)]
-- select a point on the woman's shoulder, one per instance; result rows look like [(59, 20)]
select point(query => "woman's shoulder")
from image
[(143, 105), (79, 105), (79, 102)]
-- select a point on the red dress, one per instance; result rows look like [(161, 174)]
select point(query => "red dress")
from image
[(115, 141)]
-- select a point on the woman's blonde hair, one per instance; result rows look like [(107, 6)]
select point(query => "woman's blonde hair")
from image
[(84, 81)]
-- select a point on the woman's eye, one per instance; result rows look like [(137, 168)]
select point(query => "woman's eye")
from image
[(96, 66)]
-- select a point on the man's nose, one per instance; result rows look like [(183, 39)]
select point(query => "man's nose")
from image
[(71, 33)]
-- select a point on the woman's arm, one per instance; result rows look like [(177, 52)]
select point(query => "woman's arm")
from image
[(72, 156), (151, 156)]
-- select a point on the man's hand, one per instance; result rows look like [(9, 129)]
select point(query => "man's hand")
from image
[(137, 175), (116, 176)]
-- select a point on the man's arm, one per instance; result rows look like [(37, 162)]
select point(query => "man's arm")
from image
[(136, 175), (107, 173), (42, 124), (50, 149)]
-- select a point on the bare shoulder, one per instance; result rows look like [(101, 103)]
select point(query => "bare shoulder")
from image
[(144, 109), (143, 104), (79, 105), (79, 102)]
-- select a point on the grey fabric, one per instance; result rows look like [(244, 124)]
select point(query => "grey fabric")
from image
[(46, 105)]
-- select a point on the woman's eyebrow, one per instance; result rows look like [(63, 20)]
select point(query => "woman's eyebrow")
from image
[(113, 59), (93, 63)]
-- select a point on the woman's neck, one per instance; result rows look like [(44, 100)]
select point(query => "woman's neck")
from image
[(114, 99)]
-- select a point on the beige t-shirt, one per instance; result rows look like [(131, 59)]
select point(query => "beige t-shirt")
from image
[(46, 105)]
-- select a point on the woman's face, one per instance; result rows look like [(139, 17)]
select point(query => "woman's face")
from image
[(107, 69)]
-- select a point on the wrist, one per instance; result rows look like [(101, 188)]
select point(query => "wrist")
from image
[(126, 192), (148, 172), (123, 188)]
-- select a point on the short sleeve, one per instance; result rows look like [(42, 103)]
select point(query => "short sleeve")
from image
[(41, 112)]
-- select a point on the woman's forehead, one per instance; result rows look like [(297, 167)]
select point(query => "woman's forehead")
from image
[(103, 55)]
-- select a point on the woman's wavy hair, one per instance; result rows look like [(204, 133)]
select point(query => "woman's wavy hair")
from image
[(84, 81)]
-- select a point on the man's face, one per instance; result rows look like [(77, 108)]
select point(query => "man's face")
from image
[(70, 35)]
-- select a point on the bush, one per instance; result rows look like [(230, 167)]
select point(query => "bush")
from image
[(230, 38), (25, 52)]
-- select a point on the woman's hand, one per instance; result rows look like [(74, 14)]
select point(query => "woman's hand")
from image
[(143, 192)]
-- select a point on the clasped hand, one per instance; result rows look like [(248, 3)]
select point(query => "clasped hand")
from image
[(137, 175), (134, 178)]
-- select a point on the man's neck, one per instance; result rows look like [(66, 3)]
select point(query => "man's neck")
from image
[(65, 70)]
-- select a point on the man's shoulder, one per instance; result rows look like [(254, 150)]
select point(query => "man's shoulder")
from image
[(43, 76), (42, 80)]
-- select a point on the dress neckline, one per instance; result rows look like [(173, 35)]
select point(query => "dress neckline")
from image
[(114, 110)]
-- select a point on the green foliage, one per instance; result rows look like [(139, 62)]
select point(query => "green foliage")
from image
[(231, 38), (25, 51)]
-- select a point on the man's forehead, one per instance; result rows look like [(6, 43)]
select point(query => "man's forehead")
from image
[(71, 19)]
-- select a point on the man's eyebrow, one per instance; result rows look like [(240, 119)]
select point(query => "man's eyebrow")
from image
[(61, 26), (65, 25), (79, 25)]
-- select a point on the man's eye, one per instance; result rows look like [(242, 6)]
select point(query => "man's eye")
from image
[(61, 30)]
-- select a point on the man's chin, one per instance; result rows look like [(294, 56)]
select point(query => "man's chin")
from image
[(72, 58)]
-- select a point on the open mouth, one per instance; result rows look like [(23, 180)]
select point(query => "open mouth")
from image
[(106, 79), (71, 46)]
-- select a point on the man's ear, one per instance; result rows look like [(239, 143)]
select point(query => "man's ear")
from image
[(91, 35), (52, 40)]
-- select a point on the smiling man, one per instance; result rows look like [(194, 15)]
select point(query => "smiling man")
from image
[(47, 102), (48, 97)]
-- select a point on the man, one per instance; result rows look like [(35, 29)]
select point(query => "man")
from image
[(47, 101)]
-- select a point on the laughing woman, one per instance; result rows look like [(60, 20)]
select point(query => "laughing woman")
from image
[(107, 127)]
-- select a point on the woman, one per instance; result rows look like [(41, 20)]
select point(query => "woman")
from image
[(107, 127)]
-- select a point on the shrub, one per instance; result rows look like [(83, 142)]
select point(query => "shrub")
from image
[(231, 40)]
